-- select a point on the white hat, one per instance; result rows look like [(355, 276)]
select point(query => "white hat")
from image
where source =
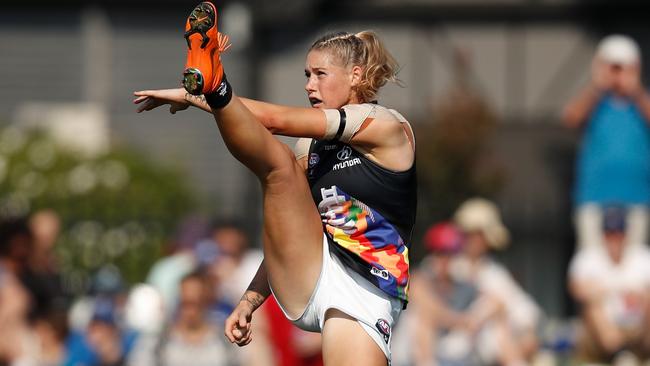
[(478, 214), (618, 49)]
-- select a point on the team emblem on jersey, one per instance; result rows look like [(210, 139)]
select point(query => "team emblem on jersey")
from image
[(344, 153), (313, 159), (384, 328)]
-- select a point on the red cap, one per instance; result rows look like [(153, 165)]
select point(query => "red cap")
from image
[(443, 238)]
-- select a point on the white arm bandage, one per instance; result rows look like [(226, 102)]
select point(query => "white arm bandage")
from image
[(302, 148), (342, 124)]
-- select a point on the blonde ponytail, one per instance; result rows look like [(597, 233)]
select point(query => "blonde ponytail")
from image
[(363, 49)]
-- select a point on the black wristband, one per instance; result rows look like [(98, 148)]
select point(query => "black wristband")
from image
[(342, 123), (222, 96)]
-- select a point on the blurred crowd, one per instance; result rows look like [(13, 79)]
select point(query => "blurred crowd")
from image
[(175, 318), (466, 308)]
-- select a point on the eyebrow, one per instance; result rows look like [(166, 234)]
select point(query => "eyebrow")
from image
[(317, 68)]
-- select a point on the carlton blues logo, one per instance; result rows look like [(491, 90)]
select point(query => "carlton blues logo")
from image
[(313, 159)]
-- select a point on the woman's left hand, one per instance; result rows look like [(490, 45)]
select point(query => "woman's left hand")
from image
[(151, 99)]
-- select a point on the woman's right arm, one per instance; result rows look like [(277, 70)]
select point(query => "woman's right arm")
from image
[(238, 324)]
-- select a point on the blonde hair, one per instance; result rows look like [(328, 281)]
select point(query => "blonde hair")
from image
[(363, 49)]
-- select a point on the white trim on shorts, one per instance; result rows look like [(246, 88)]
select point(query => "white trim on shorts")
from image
[(341, 288)]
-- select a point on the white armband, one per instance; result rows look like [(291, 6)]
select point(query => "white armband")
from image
[(342, 124), (301, 149)]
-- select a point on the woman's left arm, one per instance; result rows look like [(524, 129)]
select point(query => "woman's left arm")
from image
[(280, 120), (379, 137)]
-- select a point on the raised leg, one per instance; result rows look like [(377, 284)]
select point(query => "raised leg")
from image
[(292, 227)]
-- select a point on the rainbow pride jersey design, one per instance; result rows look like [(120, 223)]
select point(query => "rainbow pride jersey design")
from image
[(368, 213)]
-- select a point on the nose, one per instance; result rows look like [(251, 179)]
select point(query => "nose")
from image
[(311, 84)]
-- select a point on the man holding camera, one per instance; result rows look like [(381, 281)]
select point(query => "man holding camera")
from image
[(613, 163)]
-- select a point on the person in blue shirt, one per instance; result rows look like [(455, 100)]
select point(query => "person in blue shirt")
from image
[(613, 162)]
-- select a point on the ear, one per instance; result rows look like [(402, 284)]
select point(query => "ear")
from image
[(356, 75)]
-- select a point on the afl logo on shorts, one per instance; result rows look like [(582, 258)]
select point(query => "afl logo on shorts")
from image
[(381, 273), (384, 328), (345, 153), (313, 159)]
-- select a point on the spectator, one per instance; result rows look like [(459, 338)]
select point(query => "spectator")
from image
[(237, 262), (442, 304), (192, 336), (166, 273), (611, 284), (514, 340), (47, 342), (613, 165), (15, 245), (233, 269), (99, 335), (104, 342), (41, 276)]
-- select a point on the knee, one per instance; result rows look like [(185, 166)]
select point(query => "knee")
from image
[(284, 168)]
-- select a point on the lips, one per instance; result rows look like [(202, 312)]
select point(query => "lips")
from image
[(315, 102)]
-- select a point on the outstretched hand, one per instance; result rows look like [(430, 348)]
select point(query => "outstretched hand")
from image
[(151, 99), (238, 324)]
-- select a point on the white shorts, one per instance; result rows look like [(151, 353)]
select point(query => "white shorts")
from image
[(341, 288)]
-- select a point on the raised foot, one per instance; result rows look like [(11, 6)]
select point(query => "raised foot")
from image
[(201, 19)]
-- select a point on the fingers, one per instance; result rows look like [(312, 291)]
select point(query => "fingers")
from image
[(243, 336), (139, 99), (227, 331), (145, 103), (145, 93), (245, 342), (243, 320), (239, 336), (238, 329), (175, 107), (146, 106)]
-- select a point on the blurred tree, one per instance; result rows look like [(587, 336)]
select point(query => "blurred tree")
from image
[(454, 163), (117, 208)]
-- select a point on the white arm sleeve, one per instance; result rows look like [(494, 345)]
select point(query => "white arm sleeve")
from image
[(302, 148), (343, 129)]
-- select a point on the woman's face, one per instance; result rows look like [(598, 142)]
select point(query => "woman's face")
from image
[(329, 84)]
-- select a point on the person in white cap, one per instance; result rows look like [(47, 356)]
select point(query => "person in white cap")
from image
[(512, 340), (613, 165)]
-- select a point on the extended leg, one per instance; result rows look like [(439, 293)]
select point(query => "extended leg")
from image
[(292, 226)]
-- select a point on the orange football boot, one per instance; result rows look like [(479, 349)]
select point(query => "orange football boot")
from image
[(203, 70)]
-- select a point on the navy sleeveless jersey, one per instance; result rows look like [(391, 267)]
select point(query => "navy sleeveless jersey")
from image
[(368, 213)]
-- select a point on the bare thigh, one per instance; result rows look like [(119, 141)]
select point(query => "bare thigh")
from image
[(292, 227), (346, 343), (293, 237)]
